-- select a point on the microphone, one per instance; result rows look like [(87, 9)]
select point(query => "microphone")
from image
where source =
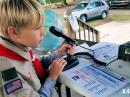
[(58, 32), (71, 60)]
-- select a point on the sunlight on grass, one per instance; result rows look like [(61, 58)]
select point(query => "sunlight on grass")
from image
[(96, 22), (120, 17)]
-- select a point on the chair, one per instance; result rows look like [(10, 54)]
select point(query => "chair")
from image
[(50, 41)]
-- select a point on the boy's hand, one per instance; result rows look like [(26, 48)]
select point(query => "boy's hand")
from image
[(56, 68), (67, 49)]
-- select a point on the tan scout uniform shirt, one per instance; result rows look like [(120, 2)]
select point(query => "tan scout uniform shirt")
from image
[(25, 82)]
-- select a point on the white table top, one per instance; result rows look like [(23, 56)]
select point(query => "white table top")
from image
[(118, 68)]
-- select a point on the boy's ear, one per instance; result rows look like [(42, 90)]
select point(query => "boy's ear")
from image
[(12, 32)]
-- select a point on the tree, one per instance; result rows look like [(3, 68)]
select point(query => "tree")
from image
[(64, 2)]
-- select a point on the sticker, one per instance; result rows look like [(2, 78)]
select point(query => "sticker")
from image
[(13, 86)]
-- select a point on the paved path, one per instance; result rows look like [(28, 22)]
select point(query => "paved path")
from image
[(117, 32)]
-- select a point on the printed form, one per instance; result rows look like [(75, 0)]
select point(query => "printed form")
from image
[(93, 81), (103, 51)]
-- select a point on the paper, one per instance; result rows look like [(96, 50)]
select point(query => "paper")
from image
[(89, 80), (80, 49), (105, 51), (93, 81)]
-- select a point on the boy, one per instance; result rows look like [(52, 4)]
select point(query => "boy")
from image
[(20, 30)]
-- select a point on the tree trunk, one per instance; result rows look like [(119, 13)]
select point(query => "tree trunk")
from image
[(64, 2)]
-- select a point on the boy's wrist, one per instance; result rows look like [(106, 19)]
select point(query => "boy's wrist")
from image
[(53, 78), (59, 52)]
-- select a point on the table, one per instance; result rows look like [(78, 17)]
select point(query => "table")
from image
[(118, 66), (59, 84)]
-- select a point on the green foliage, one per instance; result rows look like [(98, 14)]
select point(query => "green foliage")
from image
[(55, 1)]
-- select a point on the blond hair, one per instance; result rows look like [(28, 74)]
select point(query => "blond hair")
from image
[(19, 13)]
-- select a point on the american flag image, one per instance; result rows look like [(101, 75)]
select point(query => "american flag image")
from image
[(13, 86)]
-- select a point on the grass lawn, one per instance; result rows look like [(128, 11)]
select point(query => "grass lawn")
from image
[(97, 22)]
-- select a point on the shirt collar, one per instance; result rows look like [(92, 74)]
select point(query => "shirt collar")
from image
[(25, 54)]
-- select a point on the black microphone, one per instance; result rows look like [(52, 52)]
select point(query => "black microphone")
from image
[(71, 60), (58, 32)]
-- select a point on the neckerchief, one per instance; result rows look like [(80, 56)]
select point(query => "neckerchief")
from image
[(13, 55)]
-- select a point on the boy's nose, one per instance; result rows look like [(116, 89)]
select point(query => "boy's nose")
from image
[(42, 31)]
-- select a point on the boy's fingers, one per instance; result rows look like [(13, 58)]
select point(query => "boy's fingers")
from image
[(61, 62)]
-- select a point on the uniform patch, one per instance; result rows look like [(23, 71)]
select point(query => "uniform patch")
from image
[(9, 74), (13, 86)]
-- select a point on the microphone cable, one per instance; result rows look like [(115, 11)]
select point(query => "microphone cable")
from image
[(90, 55)]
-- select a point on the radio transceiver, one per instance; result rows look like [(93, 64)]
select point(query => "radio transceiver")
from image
[(124, 51)]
